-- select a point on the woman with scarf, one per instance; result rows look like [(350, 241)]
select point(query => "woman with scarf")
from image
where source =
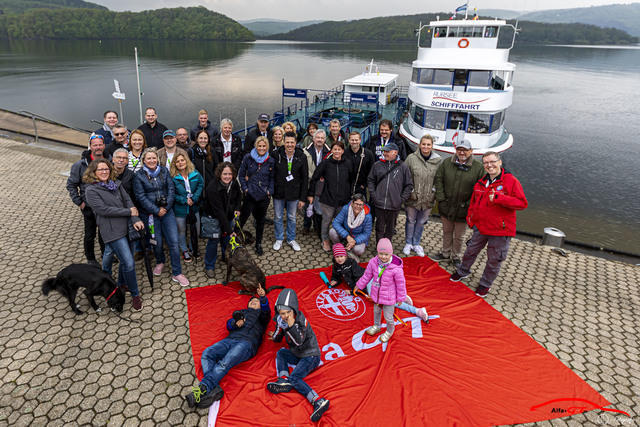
[(353, 226), (114, 209), (155, 191), (222, 201), (257, 180), (189, 187)]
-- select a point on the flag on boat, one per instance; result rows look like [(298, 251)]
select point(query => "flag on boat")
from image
[(475, 14), (461, 8), (453, 16)]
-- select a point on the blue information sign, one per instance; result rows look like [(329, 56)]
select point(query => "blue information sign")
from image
[(294, 93), (363, 97)]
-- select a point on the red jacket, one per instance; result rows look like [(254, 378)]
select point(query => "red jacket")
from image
[(497, 217)]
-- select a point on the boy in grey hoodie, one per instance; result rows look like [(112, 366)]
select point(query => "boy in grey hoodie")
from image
[(303, 352)]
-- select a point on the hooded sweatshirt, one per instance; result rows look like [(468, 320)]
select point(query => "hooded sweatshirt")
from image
[(300, 337)]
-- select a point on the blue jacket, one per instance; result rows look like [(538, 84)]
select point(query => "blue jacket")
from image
[(257, 179), (147, 190), (180, 207), (255, 324), (361, 233)]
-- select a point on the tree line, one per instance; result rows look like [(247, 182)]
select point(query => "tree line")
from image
[(193, 23), (402, 29), (20, 6)]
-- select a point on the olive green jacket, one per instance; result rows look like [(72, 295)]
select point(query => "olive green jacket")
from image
[(454, 187), (423, 173)]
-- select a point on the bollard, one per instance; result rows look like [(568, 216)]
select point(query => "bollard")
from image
[(553, 237)]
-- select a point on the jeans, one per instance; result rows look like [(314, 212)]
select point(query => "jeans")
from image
[(304, 366), (126, 267), (181, 223), (357, 250), (497, 249), (218, 358), (166, 227), (90, 226), (211, 251), (414, 226), (279, 206), (257, 208)]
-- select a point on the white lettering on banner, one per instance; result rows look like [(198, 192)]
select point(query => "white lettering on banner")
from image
[(454, 101), (336, 351)]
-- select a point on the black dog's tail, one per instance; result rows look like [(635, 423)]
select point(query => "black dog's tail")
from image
[(271, 288), (48, 285)]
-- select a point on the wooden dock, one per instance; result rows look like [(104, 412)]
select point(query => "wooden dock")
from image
[(40, 127)]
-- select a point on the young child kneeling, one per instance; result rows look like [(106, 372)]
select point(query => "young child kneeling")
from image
[(303, 351), (344, 268), (387, 287)]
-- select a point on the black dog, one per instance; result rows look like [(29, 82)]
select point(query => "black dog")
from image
[(251, 275), (94, 280)]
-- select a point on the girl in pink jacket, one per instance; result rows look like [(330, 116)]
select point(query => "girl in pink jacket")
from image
[(387, 288)]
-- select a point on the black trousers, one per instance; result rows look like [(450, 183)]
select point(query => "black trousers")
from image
[(257, 208), (90, 227), (385, 223)]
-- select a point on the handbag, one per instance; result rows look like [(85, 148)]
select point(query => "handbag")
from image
[(209, 227)]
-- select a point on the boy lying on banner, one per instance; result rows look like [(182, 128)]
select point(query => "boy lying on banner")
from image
[(303, 352), (246, 328), (348, 270)]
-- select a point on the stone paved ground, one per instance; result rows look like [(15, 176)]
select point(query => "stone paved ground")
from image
[(58, 369)]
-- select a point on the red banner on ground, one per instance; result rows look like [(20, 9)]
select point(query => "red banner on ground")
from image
[(472, 366)]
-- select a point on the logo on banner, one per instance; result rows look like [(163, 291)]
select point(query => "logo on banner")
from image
[(338, 304)]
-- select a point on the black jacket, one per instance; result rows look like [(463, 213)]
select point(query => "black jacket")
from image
[(220, 202), (111, 148), (212, 131), (251, 137), (312, 152), (75, 186), (153, 135), (254, 327), (126, 181), (349, 272), (375, 146), (296, 188), (300, 336), (237, 153), (337, 175), (362, 162), (206, 168)]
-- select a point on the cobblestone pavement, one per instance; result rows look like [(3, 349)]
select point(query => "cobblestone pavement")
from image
[(57, 368)]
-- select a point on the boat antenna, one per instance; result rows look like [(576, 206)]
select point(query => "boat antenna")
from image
[(138, 78), (466, 11)]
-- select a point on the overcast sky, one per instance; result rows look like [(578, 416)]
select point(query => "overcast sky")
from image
[(303, 10)]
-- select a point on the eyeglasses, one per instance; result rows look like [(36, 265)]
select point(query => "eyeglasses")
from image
[(119, 134), (358, 205), (490, 162)]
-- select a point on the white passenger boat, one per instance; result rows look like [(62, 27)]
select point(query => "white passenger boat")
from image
[(461, 85), (371, 84)]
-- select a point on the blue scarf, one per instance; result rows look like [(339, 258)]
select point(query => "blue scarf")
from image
[(109, 185), (152, 174), (257, 158)]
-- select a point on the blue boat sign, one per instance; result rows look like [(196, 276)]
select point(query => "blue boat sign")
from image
[(294, 93), (363, 97)]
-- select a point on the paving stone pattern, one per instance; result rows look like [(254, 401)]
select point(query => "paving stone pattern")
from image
[(61, 369)]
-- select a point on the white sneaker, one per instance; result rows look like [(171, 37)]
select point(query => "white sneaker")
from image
[(372, 330), (386, 336), (294, 245), (407, 249), (418, 250), (277, 245)]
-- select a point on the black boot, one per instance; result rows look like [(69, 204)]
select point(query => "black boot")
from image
[(259, 250)]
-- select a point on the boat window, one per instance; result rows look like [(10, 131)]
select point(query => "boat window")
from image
[(453, 32), (435, 119), (442, 77), (479, 123), (426, 76), (477, 32), (460, 78), (381, 90), (418, 115), (465, 32), (440, 32), (457, 120), (497, 121), (479, 78), (491, 32), (505, 37), (425, 37), (497, 80)]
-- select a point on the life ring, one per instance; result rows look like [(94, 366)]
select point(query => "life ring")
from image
[(463, 43)]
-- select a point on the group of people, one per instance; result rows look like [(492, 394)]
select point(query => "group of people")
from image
[(158, 181)]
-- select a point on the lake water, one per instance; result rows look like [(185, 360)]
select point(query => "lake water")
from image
[(574, 116)]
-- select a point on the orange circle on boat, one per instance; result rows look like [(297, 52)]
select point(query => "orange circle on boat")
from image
[(463, 43)]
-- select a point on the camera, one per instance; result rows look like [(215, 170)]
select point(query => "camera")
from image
[(161, 201)]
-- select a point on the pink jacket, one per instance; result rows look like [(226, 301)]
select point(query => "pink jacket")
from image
[(392, 287)]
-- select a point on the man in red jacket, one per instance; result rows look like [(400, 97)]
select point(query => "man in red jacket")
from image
[(492, 216)]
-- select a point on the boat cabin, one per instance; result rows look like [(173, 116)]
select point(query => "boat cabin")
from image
[(371, 86)]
